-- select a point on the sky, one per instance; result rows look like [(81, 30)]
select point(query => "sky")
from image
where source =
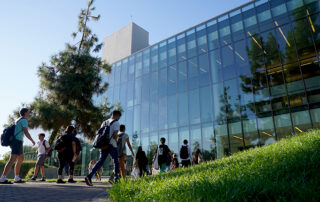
[(31, 31)]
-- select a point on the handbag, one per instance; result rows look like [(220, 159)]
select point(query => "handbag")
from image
[(155, 161)]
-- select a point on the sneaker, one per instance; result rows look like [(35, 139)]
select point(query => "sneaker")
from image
[(33, 178), (60, 181), (71, 181), (19, 181), (43, 179), (88, 181), (6, 182)]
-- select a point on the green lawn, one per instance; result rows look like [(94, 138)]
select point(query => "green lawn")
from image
[(288, 170)]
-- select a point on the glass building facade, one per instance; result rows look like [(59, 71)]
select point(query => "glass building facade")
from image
[(243, 79)]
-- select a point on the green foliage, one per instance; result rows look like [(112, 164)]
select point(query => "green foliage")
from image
[(287, 170), (70, 83)]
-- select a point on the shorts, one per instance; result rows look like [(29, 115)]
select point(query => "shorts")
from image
[(41, 159), (17, 147)]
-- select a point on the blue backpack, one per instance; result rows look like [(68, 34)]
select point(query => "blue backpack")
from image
[(7, 136), (102, 139)]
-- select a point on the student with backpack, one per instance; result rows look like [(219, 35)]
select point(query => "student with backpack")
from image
[(44, 150), (106, 141), (122, 151), (16, 143), (162, 153), (67, 153), (185, 154)]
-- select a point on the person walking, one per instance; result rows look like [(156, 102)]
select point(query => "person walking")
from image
[(162, 151), (185, 154), (175, 162), (17, 157), (113, 122), (122, 150), (142, 162), (69, 154), (197, 157), (43, 149)]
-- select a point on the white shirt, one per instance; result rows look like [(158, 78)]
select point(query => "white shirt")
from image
[(189, 151), (41, 148), (115, 126)]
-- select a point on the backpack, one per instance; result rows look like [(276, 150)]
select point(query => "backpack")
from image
[(184, 153), (7, 136), (50, 152), (121, 144), (102, 138), (60, 145)]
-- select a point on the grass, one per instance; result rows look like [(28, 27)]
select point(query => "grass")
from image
[(288, 170)]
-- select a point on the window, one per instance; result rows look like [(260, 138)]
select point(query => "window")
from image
[(215, 66), (154, 86), (279, 11), (219, 101), (163, 54), (146, 61), (129, 120), (194, 111), (221, 139), (212, 31), (311, 74), (163, 114), (145, 142), (136, 120), (183, 135), (154, 58), (193, 81), (232, 98), (202, 39), (172, 112), (264, 17), (124, 71), (191, 43), (228, 63), (130, 94), (181, 47), (138, 64), (196, 142), (315, 115), (173, 141), (131, 68), (183, 109), (182, 76), (266, 128), (301, 120), (204, 73), (123, 95), (206, 104), (235, 133), (145, 117), (172, 51), (208, 142), (117, 70), (172, 79), (137, 94), (241, 59), (145, 88), (163, 83), (283, 125), (154, 116), (250, 132)]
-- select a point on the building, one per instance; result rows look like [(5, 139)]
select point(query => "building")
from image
[(243, 79)]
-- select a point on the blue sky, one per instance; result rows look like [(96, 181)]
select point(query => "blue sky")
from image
[(32, 31)]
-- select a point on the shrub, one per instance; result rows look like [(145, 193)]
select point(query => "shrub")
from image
[(287, 170)]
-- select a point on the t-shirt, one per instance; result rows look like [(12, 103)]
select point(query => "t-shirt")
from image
[(68, 139), (18, 131), (163, 154), (125, 136), (115, 126), (41, 148)]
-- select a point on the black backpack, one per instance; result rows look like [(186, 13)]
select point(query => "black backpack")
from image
[(102, 139), (184, 153), (60, 145), (7, 136), (120, 145), (50, 152)]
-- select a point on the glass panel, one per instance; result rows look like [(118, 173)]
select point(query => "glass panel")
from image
[(311, 74), (137, 94), (262, 99), (301, 121), (116, 94), (154, 139), (138, 64), (154, 58), (283, 125), (315, 115), (129, 121), (181, 47), (215, 65), (172, 112), (173, 141), (145, 142), (182, 77), (123, 95), (237, 27), (202, 39), (224, 32), (136, 120), (204, 73), (154, 116), (247, 106), (131, 68), (232, 98), (266, 128), (171, 51), (314, 22), (191, 43), (270, 45), (228, 63), (146, 61), (219, 101), (279, 11), (264, 17), (163, 54), (130, 94), (193, 81), (206, 104), (124, 71), (111, 77), (172, 79), (221, 139), (117, 70), (241, 59), (250, 132), (212, 35), (154, 86), (196, 143), (250, 21), (295, 9), (183, 109), (145, 117), (145, 88), (295, 85), (208, 142), (194, 111), (312, 5), (163, 83), (163, 114), (235, 132)]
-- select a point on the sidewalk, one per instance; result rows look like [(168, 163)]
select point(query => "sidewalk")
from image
[(43, 191)]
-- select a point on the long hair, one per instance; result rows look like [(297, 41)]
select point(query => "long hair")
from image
[(69, 129)]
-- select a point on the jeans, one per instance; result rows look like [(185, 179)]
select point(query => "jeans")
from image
[(103, 156)]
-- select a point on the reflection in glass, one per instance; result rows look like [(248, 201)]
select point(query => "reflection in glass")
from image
[(266, 128), (250, 132), (182, 77), (215, 66), (163, 83), (137, 94), (154, 115), (235, 133), (195, 143), (222, 146), (136, 120), (311, 73), (206, 104), (163, 54), (191, 43), (154, 86), (181, 47), (138, 64), (145, 117), (193, 81), (163, 113), (283, 125), (202, 39), (171, 51), (172, 111), (154, 58), (212, 32), (301, 120), (204, 73), (146, 61), (173, 141), (194, 111), (183, 109), (208, 141), (183, 135), (315, 115), (172, 79)]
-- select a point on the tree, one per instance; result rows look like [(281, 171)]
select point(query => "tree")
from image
[(70, 83)]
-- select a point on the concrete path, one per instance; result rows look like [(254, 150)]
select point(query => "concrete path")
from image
[(42, 191)]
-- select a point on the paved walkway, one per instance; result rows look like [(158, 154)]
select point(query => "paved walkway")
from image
[(42, 191)]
